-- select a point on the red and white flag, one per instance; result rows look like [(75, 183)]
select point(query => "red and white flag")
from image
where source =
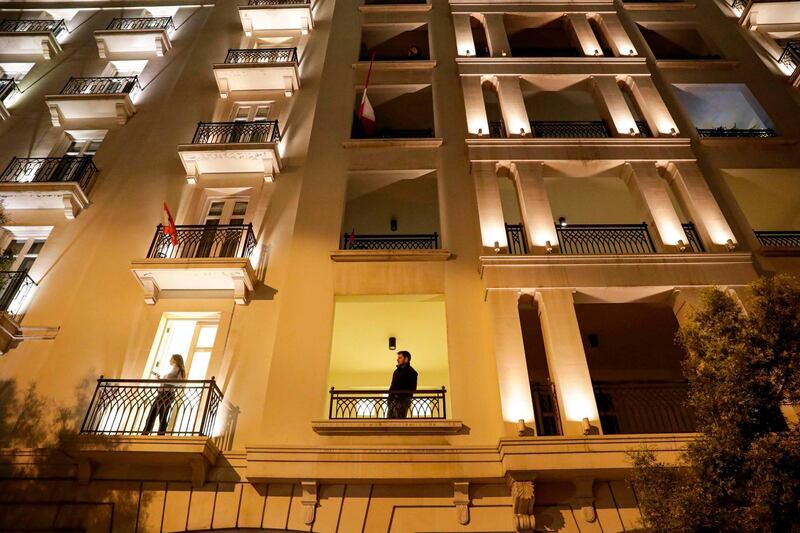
[(169, 226), (365, 112)]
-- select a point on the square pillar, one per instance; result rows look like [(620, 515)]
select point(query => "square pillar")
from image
[(616, 35), (477, 122), (652, 105), (535, 204), (512, 106), (613, 105), (465, 44), (586, 37), (490, 209), (496, 35), (566, 360), (691, 187), (643, 179), (509, 350)]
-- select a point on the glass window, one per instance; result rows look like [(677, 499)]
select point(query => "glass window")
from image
[(192, 339)]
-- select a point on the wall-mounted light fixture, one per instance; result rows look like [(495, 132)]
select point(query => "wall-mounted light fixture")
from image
[(393, 224), (480, 131), (392, 343), (681, 245), (587, 427), (562, 222), (730, 245), (497, 247), (548, 247)]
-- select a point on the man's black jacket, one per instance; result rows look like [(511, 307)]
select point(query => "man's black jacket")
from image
[(404, 379)]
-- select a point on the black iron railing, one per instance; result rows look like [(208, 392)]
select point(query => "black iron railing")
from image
[(517, 243), (394, 133), (203, 241), (50, 169), (739, 5), (7, 88), (564, 129), (139, 406), (695, 244), (588, 239), (279, 2), (736, 132), (545, 409), (261, 55), (629, 407), (497, 130), (141, 23), (14, 289), (28, 25), (778, 239), (419, 241), (355, 404), (791, 55), (107, 85), (266, 131), (643, 126)]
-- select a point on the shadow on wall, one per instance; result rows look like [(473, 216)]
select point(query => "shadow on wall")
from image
[(38, 479)]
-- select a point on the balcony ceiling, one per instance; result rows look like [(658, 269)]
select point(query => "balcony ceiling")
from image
[(266, 18), (234, 158), (66, 196), (256, 77), (111, 42), (91, 109), (42, 44)]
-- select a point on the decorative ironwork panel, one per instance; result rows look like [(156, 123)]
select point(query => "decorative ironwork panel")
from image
[(564, 129), (695, 244), (50, 169), (497, 130), (517, 243), (203, 241), (262, 55), (791, 55), (109, 85), (736, 132), (644, 128), (279, 2), (643, 407), (778, 239), (142, 23), (237, 132), (14, 289), (7, 88), (545, 408), (739, 5), (420, 241), (356, 404), (588, 239), (150, 406), (30, 25)]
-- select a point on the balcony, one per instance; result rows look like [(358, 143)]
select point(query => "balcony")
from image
[(605, 239), (16, 288), (779, 242), (232, 147), (568, 129), (790, 61), (149, 35), (213, 261), (635, 407), (33, 183), (94, 101), (258, 69), (736, 132), (31, 37), (171, 424), (8, 92), (426, 241), (517, 242), (270, 15)]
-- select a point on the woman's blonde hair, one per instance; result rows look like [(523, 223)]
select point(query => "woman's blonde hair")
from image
[(178, 358)]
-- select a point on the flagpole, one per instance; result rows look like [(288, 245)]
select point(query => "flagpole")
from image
[(366, 84)]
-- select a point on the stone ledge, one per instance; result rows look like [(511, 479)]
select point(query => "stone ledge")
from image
[(387, 427), (411, 64), (428, 142), (780, 251), (395, 8), (352, 256)]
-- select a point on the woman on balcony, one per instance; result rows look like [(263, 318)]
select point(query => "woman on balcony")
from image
[(166, 396)]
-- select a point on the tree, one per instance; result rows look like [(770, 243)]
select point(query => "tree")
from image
[(743, 471)]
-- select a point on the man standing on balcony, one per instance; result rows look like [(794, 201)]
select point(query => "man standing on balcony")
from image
[(404, 383)]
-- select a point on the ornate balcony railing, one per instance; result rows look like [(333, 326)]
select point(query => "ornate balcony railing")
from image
[(517, 243), (738, 5), (567, 129), (736, 132), (356, 404), (778, 239), (588, 239), (261, 55), (141, 23), (545, 409), (266, 131), (279, 2), (497, 130), (32, 26), (7, 88), (629, 407), (419, 241), (643, 126), (695, 244), (141, 406), (791, 55), (106, 85), (14, 289), (50, 169), (203, 241)]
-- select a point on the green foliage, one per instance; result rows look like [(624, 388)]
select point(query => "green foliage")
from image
[(743, 472)]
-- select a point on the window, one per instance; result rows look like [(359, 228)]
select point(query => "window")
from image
[(191, 338), (83, 147), (256, 112), (226, 211), (24, 252)]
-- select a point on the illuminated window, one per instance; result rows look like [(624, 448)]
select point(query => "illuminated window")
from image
[(191, 338)]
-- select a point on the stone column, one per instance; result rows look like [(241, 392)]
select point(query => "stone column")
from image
[(465, 44), (566, 360), (644, 180), (616, 35), (535, 205), (496, 34), (613, 105), (512, 105), (490, 209), (512, 367), (477, 122), (691, 187), (586, 37), (652, 105)]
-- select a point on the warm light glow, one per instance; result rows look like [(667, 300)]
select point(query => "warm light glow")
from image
[(578, 402), (516, 399), (494, 234)]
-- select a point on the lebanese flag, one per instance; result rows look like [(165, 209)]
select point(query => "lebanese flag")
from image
[(169, 226), (365, 112)]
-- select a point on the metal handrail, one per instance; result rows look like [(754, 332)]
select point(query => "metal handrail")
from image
[(371, 404), (203, 241), (15, 285), (32, 26), (644, 406), (545, 406), (266, 131), (7, 88), (695, 243), (141, 23), (80, 169), (410, 241), (102, 85), (778, 239), (565, 129), (735, 132), (791, 55), (517, 242), (261, 55), (589, 239)]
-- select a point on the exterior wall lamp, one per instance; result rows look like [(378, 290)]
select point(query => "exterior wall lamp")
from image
[(497, 247), (562, 222), (392, 343)]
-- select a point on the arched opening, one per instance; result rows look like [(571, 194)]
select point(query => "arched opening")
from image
[(479, 36), (494, 114)]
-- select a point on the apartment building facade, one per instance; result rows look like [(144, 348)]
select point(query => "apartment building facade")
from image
[(546, 189)]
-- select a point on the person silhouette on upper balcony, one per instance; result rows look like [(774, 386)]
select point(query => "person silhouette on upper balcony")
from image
[(404, 383)]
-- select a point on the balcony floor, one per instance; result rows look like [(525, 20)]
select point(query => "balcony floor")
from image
[(268, 18), (67, 196), (111, 42), (89, 108), (230, 158), (233, 77), (42, 44)]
